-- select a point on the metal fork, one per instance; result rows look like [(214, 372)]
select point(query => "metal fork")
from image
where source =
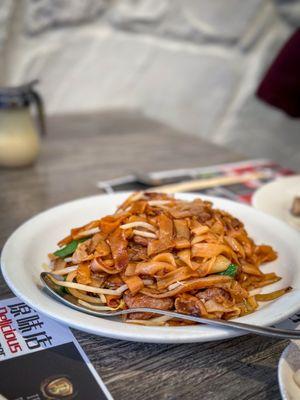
[(70, 301)]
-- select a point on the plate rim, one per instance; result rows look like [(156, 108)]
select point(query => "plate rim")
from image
[(219, 334)]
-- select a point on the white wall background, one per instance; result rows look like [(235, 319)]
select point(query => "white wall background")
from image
[(193, 64)]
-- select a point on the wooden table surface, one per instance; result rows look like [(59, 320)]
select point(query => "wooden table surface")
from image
[(78, 151)]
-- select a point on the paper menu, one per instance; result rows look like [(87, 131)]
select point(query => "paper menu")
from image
[(41, 359)]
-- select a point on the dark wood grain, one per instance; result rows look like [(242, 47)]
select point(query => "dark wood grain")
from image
[(79, 151)]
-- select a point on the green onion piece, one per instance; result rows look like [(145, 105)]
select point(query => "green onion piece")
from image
[(68, 249), (231, 270)]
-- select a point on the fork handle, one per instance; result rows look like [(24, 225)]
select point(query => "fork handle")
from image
[(259, 330)]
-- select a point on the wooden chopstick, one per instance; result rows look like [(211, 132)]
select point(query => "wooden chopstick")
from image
[(207, 183)]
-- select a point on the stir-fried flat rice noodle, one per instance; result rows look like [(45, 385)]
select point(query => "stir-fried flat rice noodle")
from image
[(163, 253)]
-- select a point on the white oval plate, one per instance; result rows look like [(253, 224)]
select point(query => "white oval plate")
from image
[(276, 198), (289, 363), (28, 246)]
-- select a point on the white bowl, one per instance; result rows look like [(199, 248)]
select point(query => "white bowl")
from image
[(276, 198), (289, 363)]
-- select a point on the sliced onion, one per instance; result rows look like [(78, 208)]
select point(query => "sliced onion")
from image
[(89, 232), (102, 298), (64, 271), (145, 234), (272, 295), (175, 285), (78, 294), (253, 292), (137, 224), (90, 289), (89, 298), (158, 203), (96, 308), (137, 196), (157, 321)]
